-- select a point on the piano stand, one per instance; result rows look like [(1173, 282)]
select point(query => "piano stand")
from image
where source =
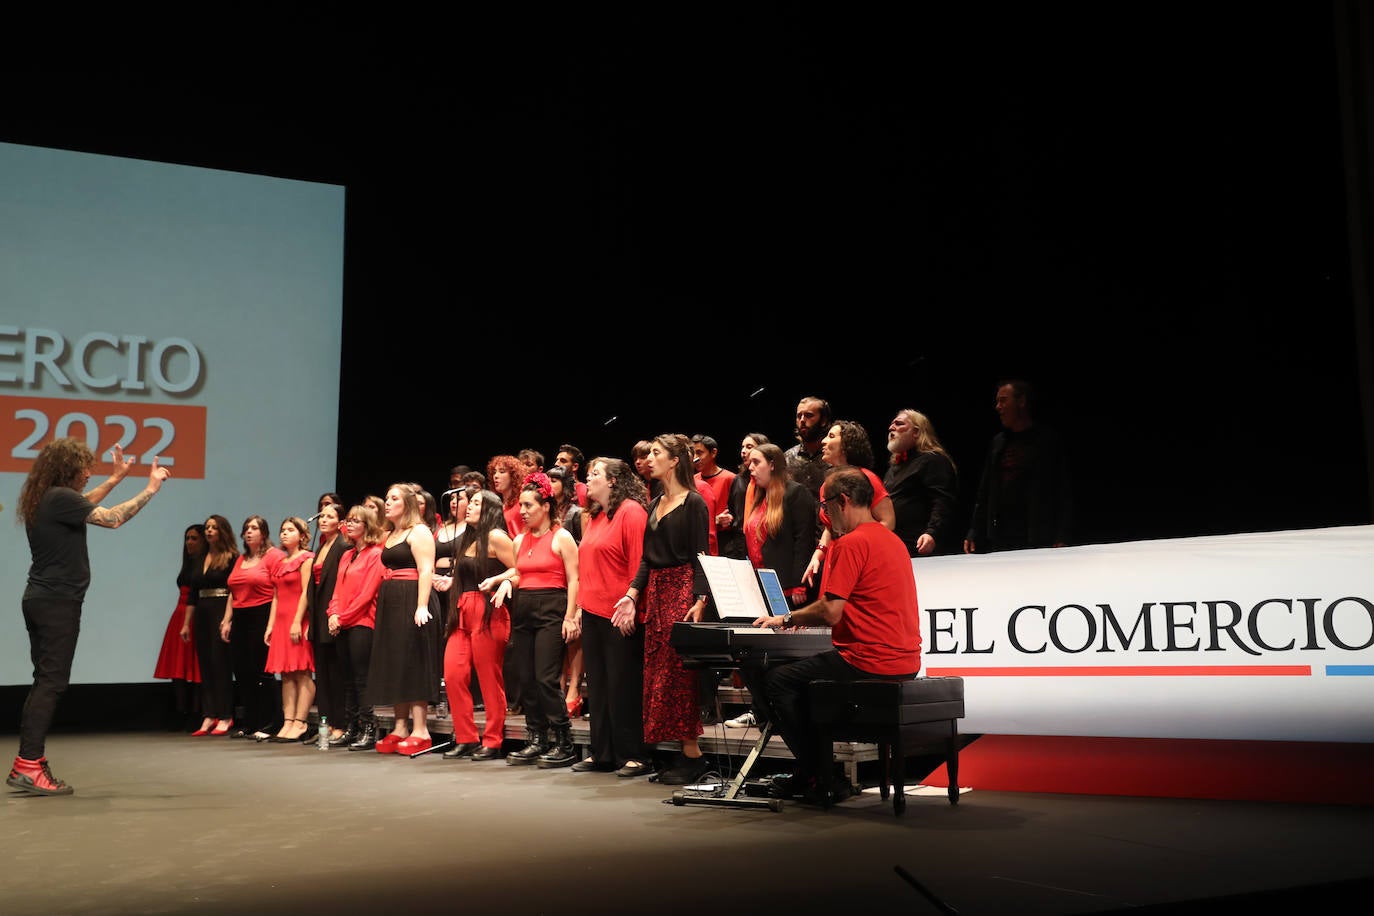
[(733, 797)]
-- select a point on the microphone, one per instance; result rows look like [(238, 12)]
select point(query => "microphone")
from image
[(313, 517), (451, 492)]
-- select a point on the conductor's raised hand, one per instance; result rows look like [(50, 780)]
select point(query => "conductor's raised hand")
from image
[(156, 476), (121, 464)]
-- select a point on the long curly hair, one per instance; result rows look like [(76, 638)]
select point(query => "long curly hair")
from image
[(626, 484), (858, 448), (517, 470), (60, 464)]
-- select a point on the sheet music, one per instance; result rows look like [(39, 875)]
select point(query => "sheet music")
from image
[(734, 587)]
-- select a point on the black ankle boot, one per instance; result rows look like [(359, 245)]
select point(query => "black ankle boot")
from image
[(561, 754), (350, 735), (367, 736), (535, 746)]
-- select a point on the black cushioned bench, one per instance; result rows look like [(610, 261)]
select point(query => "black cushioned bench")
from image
[(899, 716)]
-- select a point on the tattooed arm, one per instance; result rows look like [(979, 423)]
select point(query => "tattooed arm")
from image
[(113, 518)]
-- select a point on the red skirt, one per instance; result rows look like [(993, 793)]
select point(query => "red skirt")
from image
[(177, 658), (672, 705), (283, 655)]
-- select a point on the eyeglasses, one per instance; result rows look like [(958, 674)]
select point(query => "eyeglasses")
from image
[(353, 521), (833, 501)]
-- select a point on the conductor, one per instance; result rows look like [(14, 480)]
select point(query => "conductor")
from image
[(55, 514), (868, 599)]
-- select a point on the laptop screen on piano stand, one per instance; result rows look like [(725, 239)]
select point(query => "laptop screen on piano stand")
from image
[(773, 593)]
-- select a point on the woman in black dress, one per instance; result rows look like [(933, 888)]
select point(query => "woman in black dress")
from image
[(207, 602), (404, 669)]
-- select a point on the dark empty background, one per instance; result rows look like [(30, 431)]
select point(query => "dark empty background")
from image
[(559, 219)]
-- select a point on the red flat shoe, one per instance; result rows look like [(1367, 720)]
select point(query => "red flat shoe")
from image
[(414, 745), (388, 744)]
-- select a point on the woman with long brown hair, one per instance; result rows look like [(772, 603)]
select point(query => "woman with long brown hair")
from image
[(330, 686), (612, 641), (478, 630), (404, 672), (208, 602), (669, 587)]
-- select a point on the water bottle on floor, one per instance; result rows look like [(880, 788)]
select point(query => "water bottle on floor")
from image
[(324, 733)]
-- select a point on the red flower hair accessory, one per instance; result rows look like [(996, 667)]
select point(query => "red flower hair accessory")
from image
[(541, 483)]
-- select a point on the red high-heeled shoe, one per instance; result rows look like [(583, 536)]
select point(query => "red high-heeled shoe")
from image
[(575, 709), (221, 732)]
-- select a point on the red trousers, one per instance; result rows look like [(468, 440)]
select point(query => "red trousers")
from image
[(470, 647)]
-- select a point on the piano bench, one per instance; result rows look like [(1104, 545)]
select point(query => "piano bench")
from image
[(898, 716)]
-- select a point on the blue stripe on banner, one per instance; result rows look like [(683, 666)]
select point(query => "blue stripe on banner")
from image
[(1350, 670)]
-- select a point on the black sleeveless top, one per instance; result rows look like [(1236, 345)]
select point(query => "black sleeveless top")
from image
[(399, 557), (471, 571)]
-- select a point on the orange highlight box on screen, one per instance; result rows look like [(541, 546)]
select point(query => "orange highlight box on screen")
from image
[(173, 433)]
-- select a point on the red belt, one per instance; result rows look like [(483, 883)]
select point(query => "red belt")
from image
[(411, 574)]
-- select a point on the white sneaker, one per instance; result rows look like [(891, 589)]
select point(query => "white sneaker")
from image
[(745, 721)]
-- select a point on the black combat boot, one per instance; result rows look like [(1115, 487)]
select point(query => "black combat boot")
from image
[(535, 746), (367, 734), (561, 754)]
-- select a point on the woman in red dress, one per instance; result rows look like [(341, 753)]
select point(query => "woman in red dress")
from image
[(176, 661), (289, 652)]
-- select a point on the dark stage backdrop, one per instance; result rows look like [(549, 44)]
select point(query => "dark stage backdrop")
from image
[(586, 231)]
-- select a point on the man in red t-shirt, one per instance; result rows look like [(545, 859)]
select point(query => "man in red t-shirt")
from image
[(718, 479), (868, 599)]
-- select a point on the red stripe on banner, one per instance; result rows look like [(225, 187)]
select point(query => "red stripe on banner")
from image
[(1130, 671), (1309, 772)]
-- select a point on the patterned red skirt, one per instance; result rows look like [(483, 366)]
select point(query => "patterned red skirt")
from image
[(176, 660), (672, 705)]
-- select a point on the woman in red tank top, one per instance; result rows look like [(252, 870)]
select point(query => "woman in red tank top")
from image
[(543, 619)]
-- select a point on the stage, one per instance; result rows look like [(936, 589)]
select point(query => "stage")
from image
[(165, 823)]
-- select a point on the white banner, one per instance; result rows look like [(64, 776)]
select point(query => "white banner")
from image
[(1250, 636)]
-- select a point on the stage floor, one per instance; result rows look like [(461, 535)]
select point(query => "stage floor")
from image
[(166, 823)]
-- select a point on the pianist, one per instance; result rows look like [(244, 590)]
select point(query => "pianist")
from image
[(868, 599)]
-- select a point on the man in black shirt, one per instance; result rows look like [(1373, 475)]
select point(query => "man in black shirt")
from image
[(55, 515), (1023, 496)]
